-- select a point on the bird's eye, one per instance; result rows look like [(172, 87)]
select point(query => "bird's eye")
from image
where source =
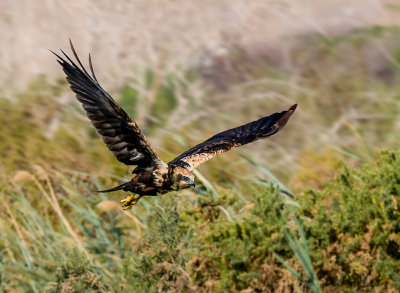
[(186, 178)]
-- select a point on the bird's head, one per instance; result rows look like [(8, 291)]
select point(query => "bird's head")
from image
[(182, 178)]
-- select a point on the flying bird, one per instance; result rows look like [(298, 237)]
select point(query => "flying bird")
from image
[(126, 141)]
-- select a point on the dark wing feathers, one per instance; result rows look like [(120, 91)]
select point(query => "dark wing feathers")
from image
[(119, 132), (224, 141)]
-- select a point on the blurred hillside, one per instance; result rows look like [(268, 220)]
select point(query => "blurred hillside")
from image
[(126, 34)]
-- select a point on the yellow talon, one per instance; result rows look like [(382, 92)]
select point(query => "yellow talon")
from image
[(129, 201)]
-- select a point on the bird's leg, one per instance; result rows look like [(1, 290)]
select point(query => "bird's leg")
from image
[(129, 201)]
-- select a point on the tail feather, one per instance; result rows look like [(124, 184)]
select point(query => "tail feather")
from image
[(119, 187)]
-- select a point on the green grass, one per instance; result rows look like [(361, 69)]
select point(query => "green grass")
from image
[(348, 240)]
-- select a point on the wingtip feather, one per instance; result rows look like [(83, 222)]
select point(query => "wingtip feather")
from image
[(293, 108), (286, 115), (58, 56), (91, 68)]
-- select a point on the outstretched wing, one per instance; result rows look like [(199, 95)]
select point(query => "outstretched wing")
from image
[(119, 132), (224, 141)]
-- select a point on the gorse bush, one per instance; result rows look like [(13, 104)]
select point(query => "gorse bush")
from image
[(354, 226), (76, 274), (158, 262), (351, 227), (239, 246)]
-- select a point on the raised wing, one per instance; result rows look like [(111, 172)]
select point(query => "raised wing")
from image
[(119, 132), (224, 141)]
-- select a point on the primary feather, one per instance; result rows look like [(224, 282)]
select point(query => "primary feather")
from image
[(119, 132)]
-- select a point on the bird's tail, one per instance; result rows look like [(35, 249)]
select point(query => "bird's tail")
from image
[(119, 187)]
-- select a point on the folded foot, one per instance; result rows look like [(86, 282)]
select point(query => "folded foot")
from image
[(129, 201)]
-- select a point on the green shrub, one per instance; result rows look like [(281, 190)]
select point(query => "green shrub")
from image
[(159, 260), (354, 226)]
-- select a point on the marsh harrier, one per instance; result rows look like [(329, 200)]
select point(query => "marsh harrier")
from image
[(128, 144)]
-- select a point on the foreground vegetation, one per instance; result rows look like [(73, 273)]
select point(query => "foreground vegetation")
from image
[(238, 230), (194, 242)]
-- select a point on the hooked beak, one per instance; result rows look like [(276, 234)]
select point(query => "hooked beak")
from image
[(193, 184)]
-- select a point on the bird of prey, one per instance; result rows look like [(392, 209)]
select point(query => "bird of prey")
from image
[(125, 140)]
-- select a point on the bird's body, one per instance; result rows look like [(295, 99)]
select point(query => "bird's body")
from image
[(128, 144), (155, 181)]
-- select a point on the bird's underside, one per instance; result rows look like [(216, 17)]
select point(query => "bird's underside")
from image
[(125, 140)]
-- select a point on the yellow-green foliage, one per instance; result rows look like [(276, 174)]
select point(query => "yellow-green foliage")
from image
[(354, 224), (351, 226)]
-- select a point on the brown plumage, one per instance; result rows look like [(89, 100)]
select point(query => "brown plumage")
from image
[(128, 144)]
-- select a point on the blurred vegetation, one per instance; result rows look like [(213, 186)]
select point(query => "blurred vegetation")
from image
[(239, 230)]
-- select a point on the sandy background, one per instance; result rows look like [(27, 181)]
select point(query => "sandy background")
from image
[(124, 34)]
